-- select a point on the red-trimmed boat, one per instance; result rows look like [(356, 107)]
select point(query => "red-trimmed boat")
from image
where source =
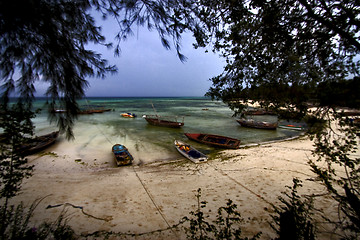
[(214, 140)]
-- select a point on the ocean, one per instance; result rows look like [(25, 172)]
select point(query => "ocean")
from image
[(200, 115)]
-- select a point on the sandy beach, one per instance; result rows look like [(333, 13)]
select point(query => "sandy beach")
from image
[(154, 195)]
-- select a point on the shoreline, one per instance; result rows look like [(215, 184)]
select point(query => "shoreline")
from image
[(272, 141), (156, 195)]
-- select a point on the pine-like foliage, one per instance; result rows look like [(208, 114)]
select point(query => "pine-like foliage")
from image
[(48, 41)]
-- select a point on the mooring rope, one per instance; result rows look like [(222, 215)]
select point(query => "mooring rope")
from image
[(239, 183), (104, 135), (153, 201), (143, 185)]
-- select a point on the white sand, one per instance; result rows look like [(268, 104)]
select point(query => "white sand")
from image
[(157, 194)]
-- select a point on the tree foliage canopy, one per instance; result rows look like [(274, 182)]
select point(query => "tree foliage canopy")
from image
[(291, 45)]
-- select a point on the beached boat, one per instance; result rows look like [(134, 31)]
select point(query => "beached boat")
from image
[(163, 121), (128, 115), (39, 143), (292, 127), (189, 152), (257, 112), (251, 123), (214, 140), (122, 155)]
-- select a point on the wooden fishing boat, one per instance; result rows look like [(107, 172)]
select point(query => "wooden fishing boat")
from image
[(292, 127), (38, 143), (163, 121), (128, 115), (251, 123), (122, 155), (83, 111), (257, 112), (91, 111), (189, 152), (214, 140)]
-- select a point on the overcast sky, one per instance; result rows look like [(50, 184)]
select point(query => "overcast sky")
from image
[(147, 69)]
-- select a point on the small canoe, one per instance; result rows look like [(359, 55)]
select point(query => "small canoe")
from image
[(214, 140), (189, 152), (257, 124), (162, 121), (128, 115), (38, 143), (292, 127), (122, 155)]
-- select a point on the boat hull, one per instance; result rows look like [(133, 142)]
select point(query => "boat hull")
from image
[(189, 152), (257, 124), (214, 140), (39, 143)]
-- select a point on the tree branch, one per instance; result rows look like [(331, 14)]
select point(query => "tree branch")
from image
[(331, 26)]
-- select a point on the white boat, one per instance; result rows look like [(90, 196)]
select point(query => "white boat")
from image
[(292, 127), (189, 152)]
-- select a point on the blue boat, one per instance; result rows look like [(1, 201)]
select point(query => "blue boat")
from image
[(122, 155)]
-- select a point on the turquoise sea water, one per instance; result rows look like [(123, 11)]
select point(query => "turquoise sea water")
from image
[(201, 115)]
